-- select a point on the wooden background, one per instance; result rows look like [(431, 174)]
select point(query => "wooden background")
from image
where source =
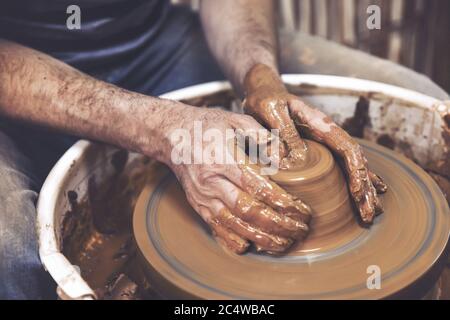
[(415, 33)]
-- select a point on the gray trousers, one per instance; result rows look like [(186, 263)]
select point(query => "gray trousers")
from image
[(24, 149)]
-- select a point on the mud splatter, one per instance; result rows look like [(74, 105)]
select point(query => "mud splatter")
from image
[(405, 148), (122, 288), (386, 141), (356, 124), (119, 159)]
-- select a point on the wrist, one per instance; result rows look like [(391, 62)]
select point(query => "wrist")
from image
[(156, 125), (263, 77)]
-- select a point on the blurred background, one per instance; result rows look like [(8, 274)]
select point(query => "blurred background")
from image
[(414, 33)]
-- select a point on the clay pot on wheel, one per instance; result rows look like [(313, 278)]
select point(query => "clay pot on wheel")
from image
[(320, 183)]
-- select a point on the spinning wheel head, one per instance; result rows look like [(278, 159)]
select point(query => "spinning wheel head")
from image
[(406, 243)]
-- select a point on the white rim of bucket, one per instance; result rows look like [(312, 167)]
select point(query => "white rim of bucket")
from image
[(65, 274)]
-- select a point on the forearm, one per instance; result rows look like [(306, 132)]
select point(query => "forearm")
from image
[(41, 90), (241, 34)]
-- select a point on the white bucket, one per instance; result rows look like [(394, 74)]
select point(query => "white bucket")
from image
[(409, 118)]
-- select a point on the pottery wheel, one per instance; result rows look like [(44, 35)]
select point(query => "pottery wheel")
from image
[(407, 243)]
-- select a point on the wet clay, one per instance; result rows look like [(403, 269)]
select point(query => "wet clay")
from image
[(266, 100), (320, 183), (182, 259)]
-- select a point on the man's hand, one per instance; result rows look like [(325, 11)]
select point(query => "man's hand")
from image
[(268, 100), (239, 204), (242, 36)]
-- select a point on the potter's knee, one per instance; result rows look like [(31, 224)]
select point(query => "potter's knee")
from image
[(22, 274), (17, 200), (17, 215), (19, 270)]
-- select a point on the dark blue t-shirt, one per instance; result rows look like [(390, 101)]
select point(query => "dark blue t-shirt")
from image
[(110, 30)]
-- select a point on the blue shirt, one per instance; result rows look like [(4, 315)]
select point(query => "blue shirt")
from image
[(110, 30)]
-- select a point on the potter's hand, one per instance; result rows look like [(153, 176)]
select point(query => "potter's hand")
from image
[(239, 204), (268, 101)]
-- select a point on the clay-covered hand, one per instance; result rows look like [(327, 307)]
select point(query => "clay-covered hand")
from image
[(240, 205), (268, 101)]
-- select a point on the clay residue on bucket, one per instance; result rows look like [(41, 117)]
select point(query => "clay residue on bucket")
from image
[(224, 99), (440, 170), (97, 233), (386, 141), (355, 125), (442, 166)]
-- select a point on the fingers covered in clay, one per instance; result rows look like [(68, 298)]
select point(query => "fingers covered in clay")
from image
[(363, 184), (228, 238), (262, 240), (274, 113), (266, 101), (238, 218), (269, 145), (257, 213), (378, 182), (239, 205), (247, 208), (273, 195)]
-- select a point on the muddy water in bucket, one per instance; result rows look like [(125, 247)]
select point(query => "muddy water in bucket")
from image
[(406, 243)]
